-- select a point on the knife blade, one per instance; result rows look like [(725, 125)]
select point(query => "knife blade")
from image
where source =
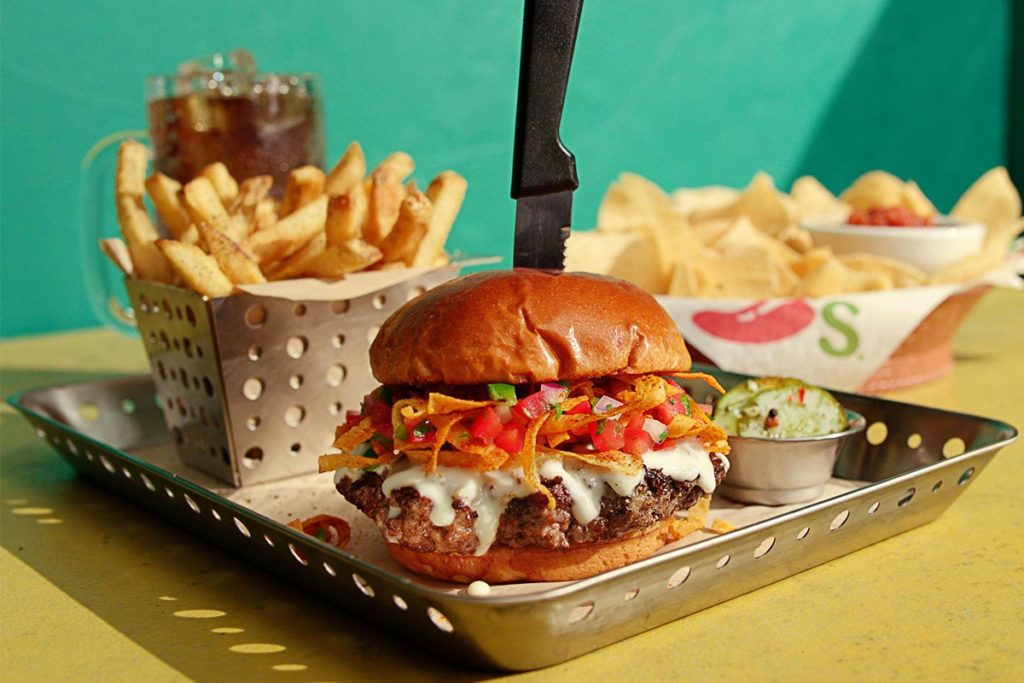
[(543, 170)]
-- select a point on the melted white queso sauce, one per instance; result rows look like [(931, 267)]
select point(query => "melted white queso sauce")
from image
[(487, 493)]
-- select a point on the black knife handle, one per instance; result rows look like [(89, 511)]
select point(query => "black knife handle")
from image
[(540, 163)]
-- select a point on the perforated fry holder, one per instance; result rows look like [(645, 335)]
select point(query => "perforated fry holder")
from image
[(251, 385)]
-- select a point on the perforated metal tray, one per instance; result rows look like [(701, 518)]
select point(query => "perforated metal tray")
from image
[(909, 465)]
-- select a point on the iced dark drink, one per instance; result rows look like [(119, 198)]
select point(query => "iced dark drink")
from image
[(254, 123)]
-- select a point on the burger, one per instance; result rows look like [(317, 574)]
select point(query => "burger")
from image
[(529, 426)]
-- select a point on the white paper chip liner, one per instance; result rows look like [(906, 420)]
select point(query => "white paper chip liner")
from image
[(837, 341)]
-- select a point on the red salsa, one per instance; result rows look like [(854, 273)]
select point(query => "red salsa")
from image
[(896, 216)]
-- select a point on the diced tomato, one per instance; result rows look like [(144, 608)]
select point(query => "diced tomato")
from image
[(379, 411), (667, 443), (636, 422), (352, 416), (511, 437), (672, 407), (581, 408), (637, 442), (418, 430), (533, 405), (607, 434), (486, 425)]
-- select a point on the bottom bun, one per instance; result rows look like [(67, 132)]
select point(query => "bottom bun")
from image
[(509, 565)]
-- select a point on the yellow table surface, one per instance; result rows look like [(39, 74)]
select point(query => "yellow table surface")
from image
[(95, 588)]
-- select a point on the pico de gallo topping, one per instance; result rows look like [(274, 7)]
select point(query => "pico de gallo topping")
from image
[(609, 422), (894, 216)]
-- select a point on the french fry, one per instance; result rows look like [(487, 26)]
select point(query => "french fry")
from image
[(251, 192), (225, 185), (239, 267), (288, 234), (409, 230), (295, 265), (197, 269), (265, 215), (204, 206), (385, 195), (346, 213), (139, 234), (445, 193), (305, 184), (130, 177), (349, 171), (163, 192), (340, 259)]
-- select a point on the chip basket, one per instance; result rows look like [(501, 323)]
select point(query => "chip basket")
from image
[(927, 352), (252, 386)]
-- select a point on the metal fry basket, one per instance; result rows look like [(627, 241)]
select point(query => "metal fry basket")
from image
[(252, 386)]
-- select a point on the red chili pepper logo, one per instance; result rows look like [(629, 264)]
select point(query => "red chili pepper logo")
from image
[(755, 324)]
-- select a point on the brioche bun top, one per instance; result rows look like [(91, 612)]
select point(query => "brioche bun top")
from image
[(523, 325)]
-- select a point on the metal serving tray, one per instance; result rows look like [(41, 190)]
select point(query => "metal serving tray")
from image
[(903, 471)]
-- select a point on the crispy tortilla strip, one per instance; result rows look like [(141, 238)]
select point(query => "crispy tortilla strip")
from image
[(305, 184), (720, 526), (130, 176), (288, 234), (440, 404), (348, 436), (528, 458), (198, 269), (223, 182), (477, 455), (335, 461), (694, 520), (616, 461), (411, 408), (708, 379), (684, 425), (446, 193), (443, 425), (348, 172)]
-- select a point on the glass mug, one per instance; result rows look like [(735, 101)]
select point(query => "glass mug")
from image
[(218, 108)]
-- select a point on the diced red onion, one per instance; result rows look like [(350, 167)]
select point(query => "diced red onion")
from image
[(657, 430), (604, 404), (553, 393), (503, 411)]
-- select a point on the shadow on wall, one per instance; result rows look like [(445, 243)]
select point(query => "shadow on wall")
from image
[(910, 136)]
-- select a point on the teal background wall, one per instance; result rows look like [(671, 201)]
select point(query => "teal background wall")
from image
[(684, 92)]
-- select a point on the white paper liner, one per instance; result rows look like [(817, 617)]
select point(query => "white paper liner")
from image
[(843, 341)]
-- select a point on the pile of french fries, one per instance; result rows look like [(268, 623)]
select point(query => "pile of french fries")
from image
[(224, 233)]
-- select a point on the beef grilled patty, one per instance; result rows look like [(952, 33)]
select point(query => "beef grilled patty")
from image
[(526, 522)]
